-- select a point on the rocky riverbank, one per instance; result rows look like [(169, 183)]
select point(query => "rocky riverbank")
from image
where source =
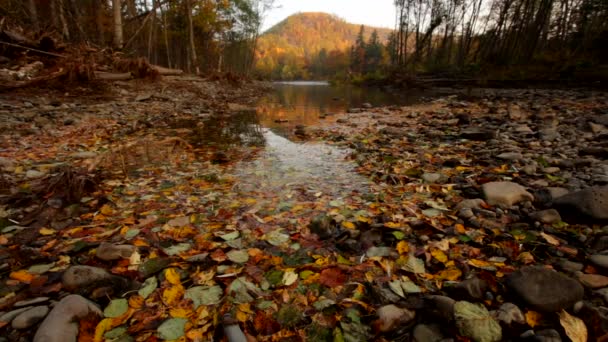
[(124, 217)]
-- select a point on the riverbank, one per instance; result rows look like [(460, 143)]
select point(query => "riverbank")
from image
[(151, 211), (490, 196)]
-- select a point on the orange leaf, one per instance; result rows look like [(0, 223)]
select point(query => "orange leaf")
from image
[(136, 301), (403, 247), (22, 276), (173, 294), (172, 276), (533, 318)]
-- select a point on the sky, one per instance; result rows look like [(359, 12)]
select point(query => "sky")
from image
[(380, 13)]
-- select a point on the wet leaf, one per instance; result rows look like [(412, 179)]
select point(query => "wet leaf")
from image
[(172, 276), (276, 238), (177, 249), (173, 294), (172, 329), (238, 256), (414, 265), (533, 318), (323, 304), (474, 321), (403, 247), (116, 308), (439, 255), (575, 328), (550, 239), (289, 278), (332, 277)]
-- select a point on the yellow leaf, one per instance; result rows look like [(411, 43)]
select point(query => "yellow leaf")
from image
[(180, 313), (348, 225), (439, 255), (403, 247), (575, 328), (46, 231), (550, 239), (172, 276), (136, 301), (533, 318), (479, 263), (173, 294), (243, 312), (393, 225), (451, 274), (364, 219), (103, 326), (106, 210)]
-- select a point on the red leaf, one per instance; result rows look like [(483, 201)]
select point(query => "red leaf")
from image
[(332, 277)]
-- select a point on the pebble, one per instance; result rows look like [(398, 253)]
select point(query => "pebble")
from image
[(600, 260), (427, 333), (32, 301), (549, 216), (431, 177), (505, 193), (34, 174), (570, 266), (510, 156), (9, 316), (509, 313), (594, 281), (476, 203), (30, 317), (109, 251), (545, 290), (61, 324), (392, 317)]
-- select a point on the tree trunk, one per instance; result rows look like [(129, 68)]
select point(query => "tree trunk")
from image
[(117, 11), (33, 14), (193, 57), (64, 24), (166, 36)]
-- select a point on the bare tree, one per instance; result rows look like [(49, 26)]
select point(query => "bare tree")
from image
[(117, 16)]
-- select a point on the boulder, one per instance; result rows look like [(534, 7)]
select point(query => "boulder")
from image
[(590, 203), (30, 317), (505, 193), (545, 290), (61, 325), (391, 317)]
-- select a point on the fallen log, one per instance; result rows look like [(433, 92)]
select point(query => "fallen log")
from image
[(109, 76), (166, 71), (4, 86)]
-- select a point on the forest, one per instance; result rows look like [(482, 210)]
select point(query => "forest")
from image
[(196, 36)]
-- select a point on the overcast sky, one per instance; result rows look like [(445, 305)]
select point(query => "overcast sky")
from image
[(379, 13)]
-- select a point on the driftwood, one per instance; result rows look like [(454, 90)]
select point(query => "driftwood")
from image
[(34, 81), (109, 76), (166, 71)]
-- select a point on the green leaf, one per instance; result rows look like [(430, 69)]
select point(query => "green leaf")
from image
[(172, 329), (230, 236), (399, 235), (116, 308), (131, 233), (323, 304), (276, 238), (40, 269), (474, 321), (148, 287), (116, 332), (177, 249), (238, 256), (204, 295)]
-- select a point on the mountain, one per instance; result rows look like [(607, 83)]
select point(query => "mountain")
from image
[(308, 33)]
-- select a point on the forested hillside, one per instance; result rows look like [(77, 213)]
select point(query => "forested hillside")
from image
[(310, 45)]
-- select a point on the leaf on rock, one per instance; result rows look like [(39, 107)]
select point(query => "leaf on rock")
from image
[(116, 308), (172, 329), (575, 328), (203, 295), (148, 287)]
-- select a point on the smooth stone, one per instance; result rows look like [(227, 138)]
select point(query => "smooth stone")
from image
[(509, 313), (549, 216), (443, 306), (557, 192), (570, 266), (505, 193), (594, 281), (34, 174), (510, 156), (83, 155), (551, 170), (30, 317), (81, 276), (108, 252), (600, 260), (61, 325), (392, 317), (476, 203), (545, 290), (427, 333), (477, 134), (530, 170), (9, 316), (591, 202), (32, 301), (472, 289), (431, 177)]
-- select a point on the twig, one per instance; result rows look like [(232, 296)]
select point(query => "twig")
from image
[(32, 49)]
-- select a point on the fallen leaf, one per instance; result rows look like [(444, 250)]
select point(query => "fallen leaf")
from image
[(172, 276), (439, 255), (332, 277), (172, 329), (403, 247), (22, 276), (116, 308), (289, 278), (533, 318), (575, 328), (148, 287), (173, 294), (46, 231), (550, 239)]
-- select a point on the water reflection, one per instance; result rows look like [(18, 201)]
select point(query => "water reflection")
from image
[(302, 103)]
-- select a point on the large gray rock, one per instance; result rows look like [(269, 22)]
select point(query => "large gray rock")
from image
[(77, 277), (108, 251), (61, 325), (545, 290), (600, 260), (505, 193), (30, 317), (391, 317), (590, 203)]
